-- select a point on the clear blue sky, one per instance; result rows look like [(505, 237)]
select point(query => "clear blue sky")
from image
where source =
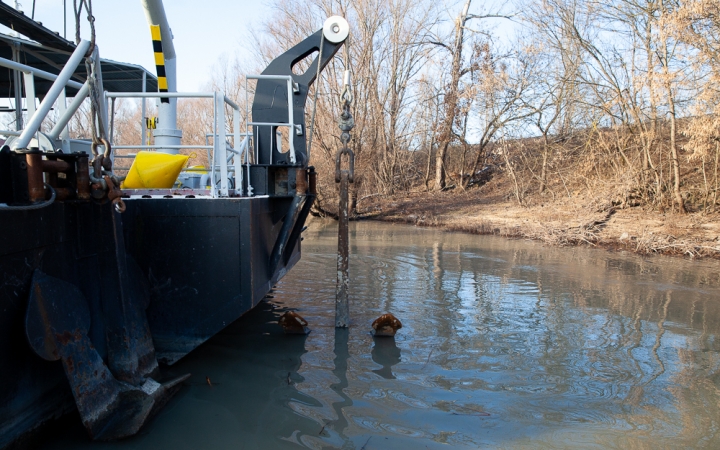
[(203, 30)]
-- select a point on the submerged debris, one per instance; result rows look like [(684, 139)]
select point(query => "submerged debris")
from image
[(293, 323), (386, 325)]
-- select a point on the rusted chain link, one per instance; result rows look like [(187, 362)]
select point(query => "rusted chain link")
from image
[(344, 177)]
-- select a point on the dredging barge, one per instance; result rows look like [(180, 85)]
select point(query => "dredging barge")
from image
[(97, 284)]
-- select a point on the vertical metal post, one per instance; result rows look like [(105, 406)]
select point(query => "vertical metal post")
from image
[(29, 80), (291, 120), (213, 186), (144, 112), (220, 149), (344, 177), (112, 120), (18, 90), (237, 159), (62, 110)]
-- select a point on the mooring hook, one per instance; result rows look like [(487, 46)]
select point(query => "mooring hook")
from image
[(115, 195), (351, 164), (119, 205)]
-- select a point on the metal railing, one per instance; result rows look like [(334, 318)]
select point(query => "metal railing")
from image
[(225, 159), (291, 87), (56, 93)]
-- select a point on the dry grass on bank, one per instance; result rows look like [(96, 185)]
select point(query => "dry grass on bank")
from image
[(566, 221)]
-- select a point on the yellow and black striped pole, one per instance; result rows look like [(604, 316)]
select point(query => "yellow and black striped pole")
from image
[(159, 61)]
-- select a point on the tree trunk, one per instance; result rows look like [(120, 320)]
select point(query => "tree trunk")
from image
[(543, 171), (674, 157), (451, 99)]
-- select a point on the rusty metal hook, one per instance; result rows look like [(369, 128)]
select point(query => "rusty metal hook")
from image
[(115, 194)]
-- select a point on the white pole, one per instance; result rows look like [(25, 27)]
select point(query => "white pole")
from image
[(167, 132), (4, 62), (238, 156), (220, 150), (53, 93), (144, 112), (29, 80)]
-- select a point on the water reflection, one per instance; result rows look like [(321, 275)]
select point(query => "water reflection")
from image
[(340, 371), (386, 353), (253, 368), (505, 344)]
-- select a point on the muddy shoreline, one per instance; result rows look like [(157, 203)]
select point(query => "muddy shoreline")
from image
[(558, 222)]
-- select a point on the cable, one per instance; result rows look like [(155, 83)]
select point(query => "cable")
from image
[(34, 206)]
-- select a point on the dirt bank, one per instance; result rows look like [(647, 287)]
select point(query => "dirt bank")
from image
[(562, 221)]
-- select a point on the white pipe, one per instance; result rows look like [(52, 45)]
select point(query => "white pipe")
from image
[(160, 94), (239, 146), (167, 112), (270, 77), (29, 80), (220, 144), (232, 104), (62, 108), (155, 15), (37, 72), (143, 131), (64, 119), (150, 147), (53, 93)]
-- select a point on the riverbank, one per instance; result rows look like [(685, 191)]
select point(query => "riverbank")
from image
[(563, 221)]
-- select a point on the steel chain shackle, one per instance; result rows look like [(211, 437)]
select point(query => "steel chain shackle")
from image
[(344, 177)]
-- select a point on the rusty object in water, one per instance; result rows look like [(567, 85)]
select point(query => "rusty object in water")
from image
[(208, 381), (386, 325), (293, 323)]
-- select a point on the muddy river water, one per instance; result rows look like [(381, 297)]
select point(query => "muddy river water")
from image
[(505, 344)]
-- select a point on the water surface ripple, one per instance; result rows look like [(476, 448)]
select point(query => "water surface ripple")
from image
[(505, 344)]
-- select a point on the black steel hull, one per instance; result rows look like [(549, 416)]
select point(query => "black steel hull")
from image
[(203, 262)]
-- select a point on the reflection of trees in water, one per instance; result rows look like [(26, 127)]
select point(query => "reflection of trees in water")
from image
[(603, 323), (635, 339)]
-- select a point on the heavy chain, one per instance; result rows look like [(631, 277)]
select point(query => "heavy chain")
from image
[(346, 123), (344, 177)]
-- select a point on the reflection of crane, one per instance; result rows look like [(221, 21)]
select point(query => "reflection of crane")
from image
[(342, 354)]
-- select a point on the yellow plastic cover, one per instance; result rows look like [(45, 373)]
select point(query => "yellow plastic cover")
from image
[(153, 170)]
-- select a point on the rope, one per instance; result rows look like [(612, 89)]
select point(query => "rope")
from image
[(34, 206), (98, 138), (77, 11), (315, 96)]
